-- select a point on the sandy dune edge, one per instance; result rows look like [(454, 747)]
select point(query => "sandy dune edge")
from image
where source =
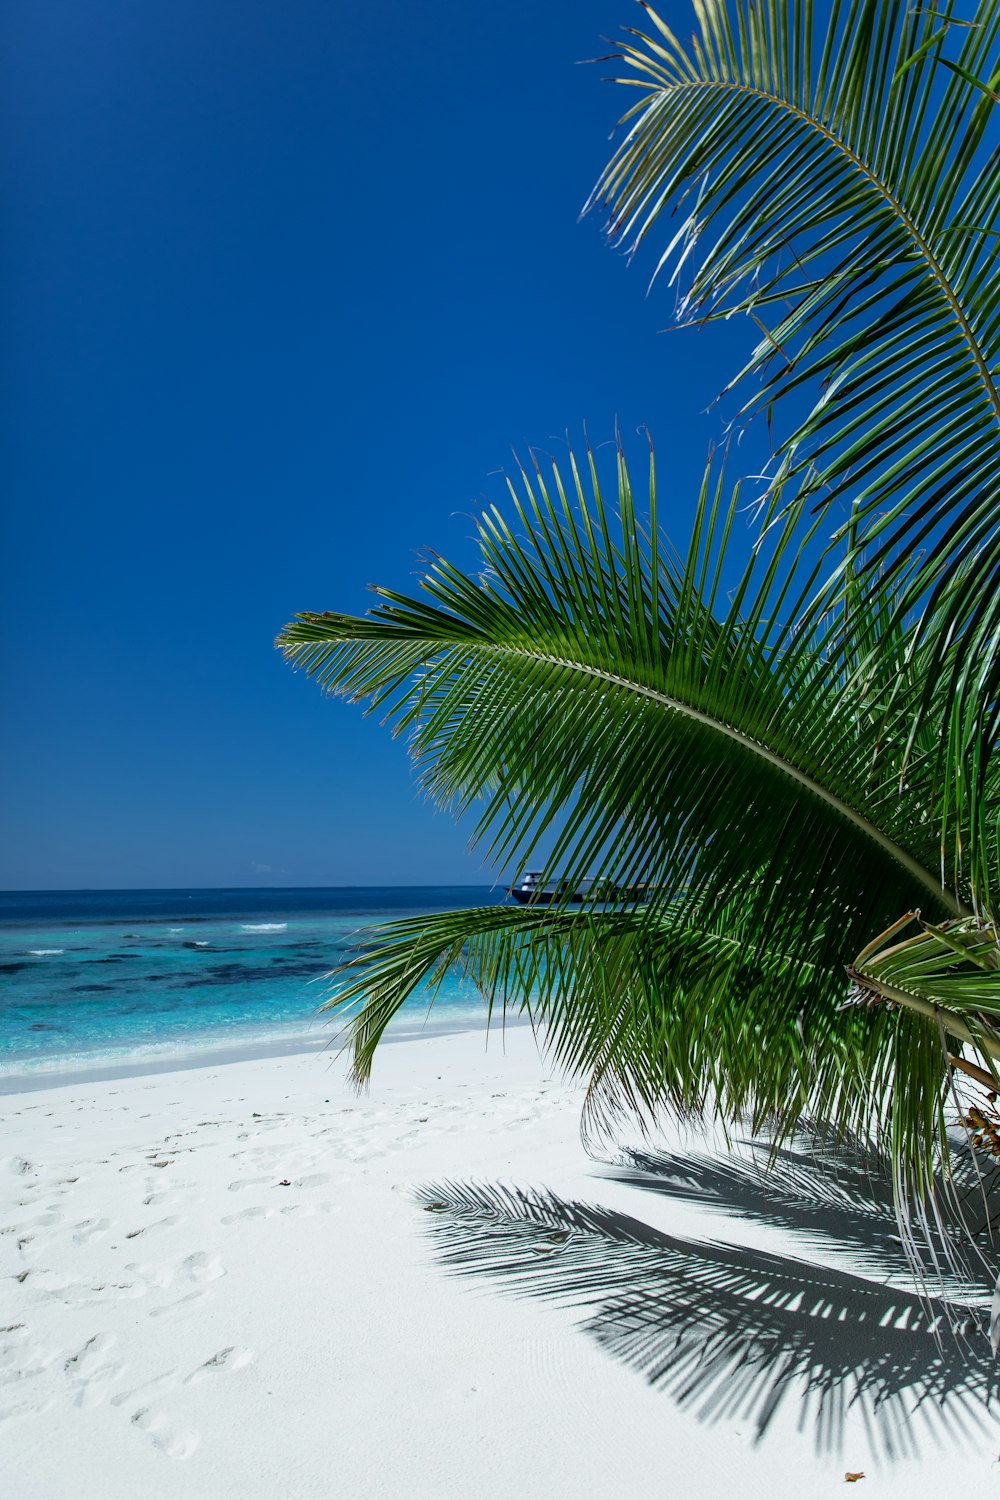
[(219, 1282)]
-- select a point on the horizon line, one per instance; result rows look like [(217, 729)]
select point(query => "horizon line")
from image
[(84, 890)]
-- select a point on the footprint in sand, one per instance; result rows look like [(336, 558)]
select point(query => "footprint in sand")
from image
[(20, 1359), (175, 1442), (51, 1284), (307, 1210), (88, 1229), (315, 1179), (248, 1213), (224, 1362), (166, 1223), (202, 1267), (245, 1182), (124, 1291), (182, 1306), (39, 1221), (32, 1246), (19, 1165), (151, 1275), (361, 1154), (146, 1389), (25, 1409), (164, 1198), (90, 1373), (87, 1360)]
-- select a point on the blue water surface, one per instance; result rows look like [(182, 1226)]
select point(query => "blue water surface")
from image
[(92, 978)]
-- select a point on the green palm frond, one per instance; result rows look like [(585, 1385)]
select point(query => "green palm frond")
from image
[(950, 973), (840, 184), (594, 689), (600, 693), (666, 1014)]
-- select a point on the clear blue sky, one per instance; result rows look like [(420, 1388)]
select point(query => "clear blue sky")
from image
[(282, 284)]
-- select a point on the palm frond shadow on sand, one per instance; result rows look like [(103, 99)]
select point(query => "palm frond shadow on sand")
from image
[(731, 1332), (835, 1198)]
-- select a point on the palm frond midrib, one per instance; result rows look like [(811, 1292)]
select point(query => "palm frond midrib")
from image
[(783, 760), (919, 239)]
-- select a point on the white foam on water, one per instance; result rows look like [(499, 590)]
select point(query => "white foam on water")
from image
[(46, 952), (199, 1050), (263, 926), (175, 929), (209, 1049), (201, 945)]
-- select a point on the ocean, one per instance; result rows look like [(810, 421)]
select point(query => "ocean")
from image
[(97, 981)]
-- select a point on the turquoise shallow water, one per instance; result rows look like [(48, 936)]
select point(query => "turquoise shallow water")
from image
[(89, 979)]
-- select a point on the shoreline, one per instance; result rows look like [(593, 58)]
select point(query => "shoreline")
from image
[(173, 1058)]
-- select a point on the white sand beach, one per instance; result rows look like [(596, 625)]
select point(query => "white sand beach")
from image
[(223, 1281)]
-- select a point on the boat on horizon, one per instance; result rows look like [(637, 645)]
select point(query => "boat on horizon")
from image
[(530, 890)]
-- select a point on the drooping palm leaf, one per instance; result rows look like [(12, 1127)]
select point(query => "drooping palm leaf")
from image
[(665, 1014), (839, 182), (589, 675), (594, 689), (950, 973)]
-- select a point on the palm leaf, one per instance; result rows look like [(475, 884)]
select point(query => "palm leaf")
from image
[(591, 690), (666, 1014), (950, 973), (838, 185), (596, 691)]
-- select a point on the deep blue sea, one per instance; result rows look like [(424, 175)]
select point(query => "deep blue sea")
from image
[(92, 979)]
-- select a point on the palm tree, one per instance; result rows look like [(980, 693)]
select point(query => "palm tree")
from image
[(799, 760)]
